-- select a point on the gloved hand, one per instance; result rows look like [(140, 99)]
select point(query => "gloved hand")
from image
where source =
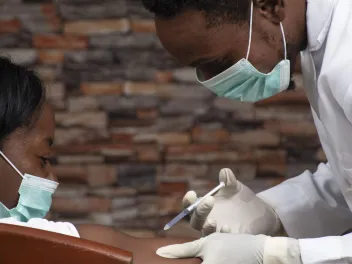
[(235, 208), (221, 248)]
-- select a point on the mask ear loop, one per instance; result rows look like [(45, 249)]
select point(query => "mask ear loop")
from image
[(284, 39), (250, 31), (250, 34), (11, 164)]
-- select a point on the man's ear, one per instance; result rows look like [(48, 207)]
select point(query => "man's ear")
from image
[(274, 10)]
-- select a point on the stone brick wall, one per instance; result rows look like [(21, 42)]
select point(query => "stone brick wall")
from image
[(134, 129)]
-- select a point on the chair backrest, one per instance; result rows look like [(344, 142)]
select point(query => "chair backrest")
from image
[(27, 245)]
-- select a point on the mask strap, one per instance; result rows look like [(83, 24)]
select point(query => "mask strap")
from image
[(284, 39), (250, 34), (11, 164), (250, 31)]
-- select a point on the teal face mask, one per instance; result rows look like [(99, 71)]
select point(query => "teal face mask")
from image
[(35, 197), (244, 82)]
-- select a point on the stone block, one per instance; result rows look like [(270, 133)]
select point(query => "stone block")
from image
[(255, 138), (96, 120), (48, 73), (140, 73), (163, 138), (141, 177), (147, 114), (277, 156), (70, 174), (186, 75), (206, 153), (172, 187), (21, 56), (51, 56), (40, 25), (170, 205), (210, 135), (101, 88), (101, 175), (286, 113), (148, 206), (174, 124), (52, 41), (163, 77), (287, 128), (138, 40), (243, 172), (104, 219), (81, 205), (106, 26), (271, 170), (125, 214), (120, 104), (10, 25), (176, 107), (83, 58), (112, 192), (67, 136), (55, 91), (78, 159), (148, 154), (124, 202), (15, 40), (202, 186), (143, 26), (180, 170), (109, 9), (137, 10), (71, 191), (82, 103)]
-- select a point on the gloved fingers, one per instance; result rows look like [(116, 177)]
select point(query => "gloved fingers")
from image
[(209, 227), (189, 199), (201, 212), (186, 250), (228, 177), (225, 229)]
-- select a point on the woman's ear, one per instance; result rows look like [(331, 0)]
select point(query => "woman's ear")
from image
[(274, 10)]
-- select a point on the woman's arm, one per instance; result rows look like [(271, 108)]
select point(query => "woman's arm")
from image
[(143, 249)]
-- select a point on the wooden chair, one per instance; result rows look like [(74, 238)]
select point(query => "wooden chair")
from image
[(27, 245)]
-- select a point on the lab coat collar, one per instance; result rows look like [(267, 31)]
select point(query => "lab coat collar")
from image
[(319, 16)]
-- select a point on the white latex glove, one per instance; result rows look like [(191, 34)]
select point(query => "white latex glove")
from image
[(235, 208), (221, 248)]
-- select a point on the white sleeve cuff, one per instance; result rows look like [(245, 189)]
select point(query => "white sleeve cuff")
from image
[(322, 250), (281, 250)]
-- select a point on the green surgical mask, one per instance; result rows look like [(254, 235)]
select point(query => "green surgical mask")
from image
[(244, 82), (35, 197)]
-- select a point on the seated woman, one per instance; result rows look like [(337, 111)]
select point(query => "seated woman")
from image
[(26, 134)]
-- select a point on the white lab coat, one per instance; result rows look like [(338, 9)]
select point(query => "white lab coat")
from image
[(318, 205), (63, 228)]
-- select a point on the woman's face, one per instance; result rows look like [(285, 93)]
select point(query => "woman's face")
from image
[(29, 149)]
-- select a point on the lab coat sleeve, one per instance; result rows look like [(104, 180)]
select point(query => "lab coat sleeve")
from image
[(335, 249), (310, 205)]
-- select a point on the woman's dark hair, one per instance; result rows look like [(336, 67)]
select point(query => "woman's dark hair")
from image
[(22, 95)]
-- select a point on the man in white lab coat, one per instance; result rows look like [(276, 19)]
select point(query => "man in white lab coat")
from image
[(243, 50)]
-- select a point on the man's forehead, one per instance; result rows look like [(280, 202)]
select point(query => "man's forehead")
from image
[(188, 38)]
